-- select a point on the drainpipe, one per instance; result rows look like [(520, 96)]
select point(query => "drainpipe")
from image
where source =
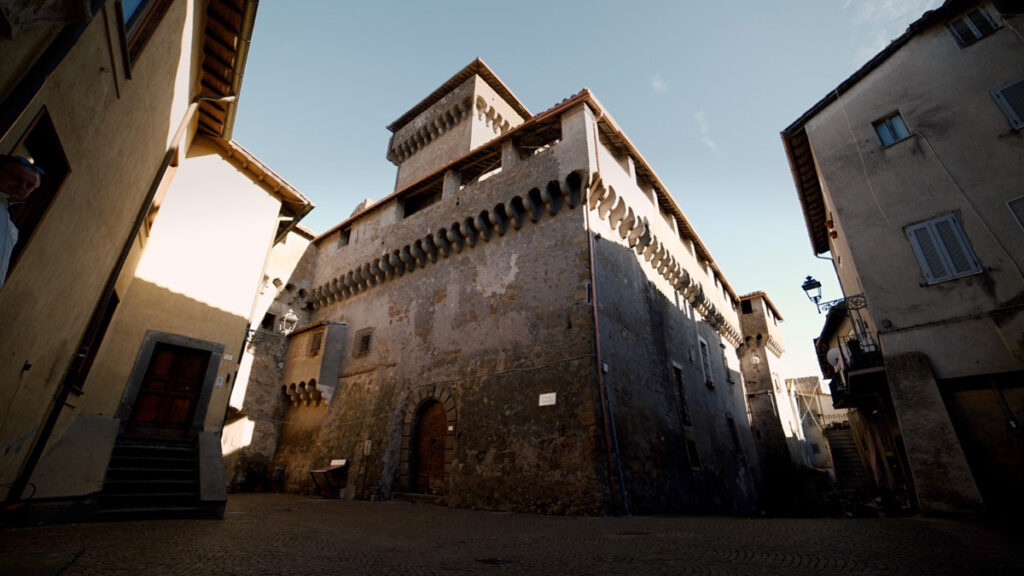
[(611, 437), (67, 383)]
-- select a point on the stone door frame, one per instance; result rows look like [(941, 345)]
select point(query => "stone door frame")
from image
[(417, 400)]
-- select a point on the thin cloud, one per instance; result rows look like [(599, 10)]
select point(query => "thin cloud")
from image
[(705, 139), (881, 21), (659, 85)]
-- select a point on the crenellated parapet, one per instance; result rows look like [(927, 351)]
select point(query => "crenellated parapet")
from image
[(303, 394), (449, 241), (636, 231), (432, 129)]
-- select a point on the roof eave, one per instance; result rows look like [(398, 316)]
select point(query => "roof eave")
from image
[(795, 135), (476, 67)]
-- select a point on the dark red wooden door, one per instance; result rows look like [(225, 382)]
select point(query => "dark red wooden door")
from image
[(430, 437), (169, 393)]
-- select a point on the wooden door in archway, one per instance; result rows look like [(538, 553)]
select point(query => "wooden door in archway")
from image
[(428, 450)]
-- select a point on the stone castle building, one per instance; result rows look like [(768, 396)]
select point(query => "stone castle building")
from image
[(529, 322)]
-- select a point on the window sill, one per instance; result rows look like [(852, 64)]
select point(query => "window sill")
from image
[(897, 143), (950, 279)]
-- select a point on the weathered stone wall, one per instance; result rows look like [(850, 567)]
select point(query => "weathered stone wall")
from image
[(257, 405), (776, 442), (485, 329), (482, 303), (250, 434), (647, 338)]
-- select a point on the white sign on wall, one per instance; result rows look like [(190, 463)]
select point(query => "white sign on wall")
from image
[(547, 399)]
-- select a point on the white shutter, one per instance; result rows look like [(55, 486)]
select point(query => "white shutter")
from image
[(927, 251), (1010, 98), (959, 253), (942, 249)]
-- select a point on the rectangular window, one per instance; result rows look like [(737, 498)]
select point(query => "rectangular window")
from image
[(363, 341), (705, 363), (734, 434), (1010, 98), (137, 21), (1017, 209), (684, 406), (420, 202), (344, 237), (42, 146), (692, 454), (746, 307), (972, 27), (891, 129), (942, 249), (315, 343), (268, 322)]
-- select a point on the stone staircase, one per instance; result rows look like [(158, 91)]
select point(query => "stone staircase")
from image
[(850, 474), (150, 478)]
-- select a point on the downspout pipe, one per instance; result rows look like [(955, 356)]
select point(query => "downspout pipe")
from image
[(611, 437), (68, 384)]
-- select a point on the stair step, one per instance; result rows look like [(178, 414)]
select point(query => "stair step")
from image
[(148, 441), (143, 473), (150, 513), (152, 452), (158, 486), (419, 498), (151, 464), (150, 478), (110, 501)]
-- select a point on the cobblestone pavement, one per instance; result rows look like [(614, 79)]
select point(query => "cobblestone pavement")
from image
[(285, 534)]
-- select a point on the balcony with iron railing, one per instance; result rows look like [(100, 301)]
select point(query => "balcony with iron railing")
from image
[(854, 362)]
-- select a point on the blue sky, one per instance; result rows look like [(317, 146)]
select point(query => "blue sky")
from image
[(701, 88)]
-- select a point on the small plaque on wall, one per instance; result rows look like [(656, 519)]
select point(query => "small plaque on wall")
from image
[(547, 399)]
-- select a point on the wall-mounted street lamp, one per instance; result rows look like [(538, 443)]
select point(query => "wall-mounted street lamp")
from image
[(813, 290), (288, 322)]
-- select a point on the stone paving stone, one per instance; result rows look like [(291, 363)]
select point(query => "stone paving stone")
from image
[(286, 534)]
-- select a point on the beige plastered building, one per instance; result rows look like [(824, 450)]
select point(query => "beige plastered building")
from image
[(141, 257), (909, 174)]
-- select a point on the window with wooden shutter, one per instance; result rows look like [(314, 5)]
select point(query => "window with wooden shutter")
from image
[(942, 249), (1010, 98)]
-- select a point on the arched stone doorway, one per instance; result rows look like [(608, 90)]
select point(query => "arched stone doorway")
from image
[(428, 441), (427, 450)]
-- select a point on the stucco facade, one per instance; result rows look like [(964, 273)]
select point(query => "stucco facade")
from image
[(528, 323), (133, 256), (909, 176)]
